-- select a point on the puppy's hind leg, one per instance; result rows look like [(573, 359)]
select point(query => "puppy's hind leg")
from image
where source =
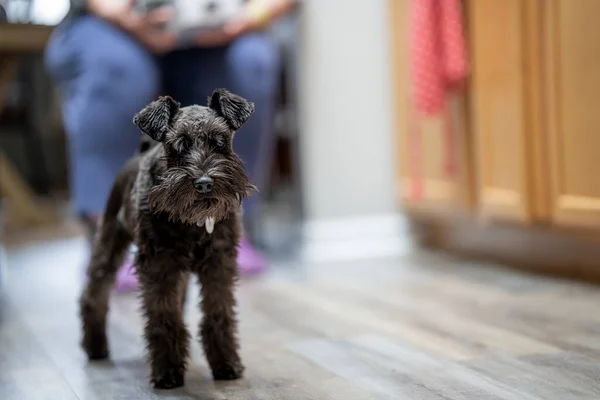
[(110, 247)]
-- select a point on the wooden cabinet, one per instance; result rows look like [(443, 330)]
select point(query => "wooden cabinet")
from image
[(499, 123), (528, 150), (572, 60), (529, 143)]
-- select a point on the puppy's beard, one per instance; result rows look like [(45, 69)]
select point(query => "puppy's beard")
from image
[(209, 222), (196, 212), (182, 203), (176, 196)]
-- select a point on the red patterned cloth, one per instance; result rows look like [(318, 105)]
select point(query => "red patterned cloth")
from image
[(439, 64)]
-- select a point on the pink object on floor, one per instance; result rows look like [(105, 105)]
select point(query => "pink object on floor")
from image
[(250, 260), (126, 278)]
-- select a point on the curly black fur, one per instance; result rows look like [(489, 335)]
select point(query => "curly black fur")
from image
[(155, 204)]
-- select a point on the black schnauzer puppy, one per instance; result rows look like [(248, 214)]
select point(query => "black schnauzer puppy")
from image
[(180, 202)]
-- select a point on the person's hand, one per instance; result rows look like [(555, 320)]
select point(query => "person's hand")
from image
[(213, 38), (148, 27), (246, 22), (249, 20)]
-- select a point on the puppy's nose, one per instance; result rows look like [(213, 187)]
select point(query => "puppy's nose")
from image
[(204, 184)]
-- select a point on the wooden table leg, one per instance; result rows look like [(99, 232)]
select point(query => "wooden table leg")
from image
[(20, 197)]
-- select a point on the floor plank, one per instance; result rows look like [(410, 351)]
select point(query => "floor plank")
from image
[(419, 327), (548, 376), (393, 371)]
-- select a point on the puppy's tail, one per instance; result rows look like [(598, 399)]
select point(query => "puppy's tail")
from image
[(117, 194)]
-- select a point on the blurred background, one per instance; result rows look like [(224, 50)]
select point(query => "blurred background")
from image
[(379, 120), (333, 154), (408, 140)]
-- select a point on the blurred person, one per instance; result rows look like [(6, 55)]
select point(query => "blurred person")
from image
[(108, 61)]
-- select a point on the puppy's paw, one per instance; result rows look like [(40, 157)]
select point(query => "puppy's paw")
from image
[(95, 346), (228, 372), (170, 379), (97, 354)]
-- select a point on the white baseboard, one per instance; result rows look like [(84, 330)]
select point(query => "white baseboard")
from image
[(364, 237)]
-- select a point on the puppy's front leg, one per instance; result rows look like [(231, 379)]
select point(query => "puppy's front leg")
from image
[(166, 335), (219, 326)]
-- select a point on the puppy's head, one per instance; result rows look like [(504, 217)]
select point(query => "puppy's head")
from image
[(200, 176)]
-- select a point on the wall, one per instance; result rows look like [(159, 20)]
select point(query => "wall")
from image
[(347, 146), (346, 132)]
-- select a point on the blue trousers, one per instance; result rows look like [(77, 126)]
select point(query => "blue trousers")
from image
[(104, 77)]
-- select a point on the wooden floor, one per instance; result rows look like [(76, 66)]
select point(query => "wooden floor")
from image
[(418, 327)]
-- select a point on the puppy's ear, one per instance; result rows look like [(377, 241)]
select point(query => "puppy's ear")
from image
[(233, 108), (156, 118)]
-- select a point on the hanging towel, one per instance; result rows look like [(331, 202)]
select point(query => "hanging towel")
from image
[(439, 65)]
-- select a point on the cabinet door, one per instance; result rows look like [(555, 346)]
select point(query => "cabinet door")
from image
[(441, 191), (572, 61), (499, 90)]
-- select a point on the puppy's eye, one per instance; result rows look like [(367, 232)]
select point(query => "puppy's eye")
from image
[(181, 143), (219, 144)]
